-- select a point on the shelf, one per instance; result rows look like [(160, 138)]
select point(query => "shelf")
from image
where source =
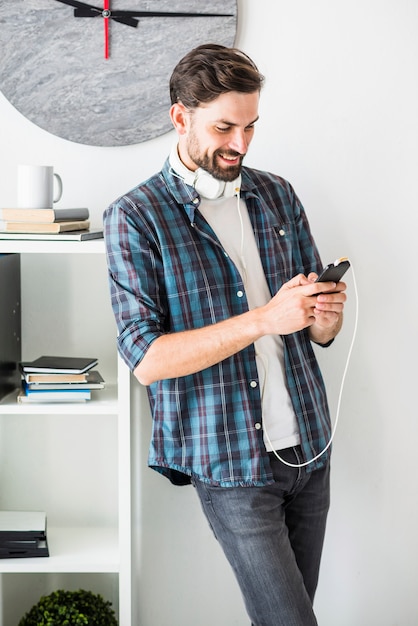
[(72, 550), (103, 402), (94, 246), (66, 310)]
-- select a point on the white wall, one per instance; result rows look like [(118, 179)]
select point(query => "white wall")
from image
[(339, 120)]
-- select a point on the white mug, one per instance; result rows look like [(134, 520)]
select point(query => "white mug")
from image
[(35, 187)]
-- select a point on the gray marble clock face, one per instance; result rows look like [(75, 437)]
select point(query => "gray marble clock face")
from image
[(54, 72)]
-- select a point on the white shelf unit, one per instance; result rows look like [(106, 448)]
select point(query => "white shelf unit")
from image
[(71, 460)]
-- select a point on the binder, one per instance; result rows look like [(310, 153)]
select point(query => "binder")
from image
[(10, 323)]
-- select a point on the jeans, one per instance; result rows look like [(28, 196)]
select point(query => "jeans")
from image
[(273, 537)]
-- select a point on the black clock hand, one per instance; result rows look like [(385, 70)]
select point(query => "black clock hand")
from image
[(89, 10), (82, 9), (129, 21), (165, 14)]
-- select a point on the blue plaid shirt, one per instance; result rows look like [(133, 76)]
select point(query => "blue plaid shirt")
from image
[(168, 273)]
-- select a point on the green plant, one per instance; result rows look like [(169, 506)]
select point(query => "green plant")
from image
[(65, 608)]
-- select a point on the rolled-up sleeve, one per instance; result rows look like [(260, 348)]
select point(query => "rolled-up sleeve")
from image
[(137, 301)]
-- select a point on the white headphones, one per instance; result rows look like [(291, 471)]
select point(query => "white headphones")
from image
[(205, 184)]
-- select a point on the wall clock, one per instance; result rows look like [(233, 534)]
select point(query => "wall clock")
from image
[(54, 68)]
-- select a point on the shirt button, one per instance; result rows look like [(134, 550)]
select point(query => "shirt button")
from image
[(253, 384), (240, 294), (257, 426), (281, 232)]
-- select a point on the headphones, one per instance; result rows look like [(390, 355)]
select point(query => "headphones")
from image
[(205, 184)]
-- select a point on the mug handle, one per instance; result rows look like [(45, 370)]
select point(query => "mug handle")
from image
[(58, 195)]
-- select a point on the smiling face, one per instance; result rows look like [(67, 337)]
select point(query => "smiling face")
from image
[(216, 135)]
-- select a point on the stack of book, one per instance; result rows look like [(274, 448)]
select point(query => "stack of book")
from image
[(59, 379), (23, 534), (46, 223)]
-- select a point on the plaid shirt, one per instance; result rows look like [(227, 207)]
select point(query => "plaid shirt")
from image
[(168, 273)]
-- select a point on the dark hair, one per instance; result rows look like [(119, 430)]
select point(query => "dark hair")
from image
[(210, 70)]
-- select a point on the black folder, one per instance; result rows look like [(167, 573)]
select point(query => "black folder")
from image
[(10, 323)]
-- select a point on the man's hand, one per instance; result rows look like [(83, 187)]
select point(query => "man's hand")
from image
[(328, 310), (302, 303)]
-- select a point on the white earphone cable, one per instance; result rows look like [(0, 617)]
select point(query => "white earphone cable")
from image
[(242, 257)]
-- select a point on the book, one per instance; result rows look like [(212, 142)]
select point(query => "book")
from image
[(92, 380), (35, 227), (79, 235), (91, 376), (59, 365), (42, 216), (53, 378), (57, 395)]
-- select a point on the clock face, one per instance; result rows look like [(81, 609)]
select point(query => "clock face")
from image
[(54, 71)]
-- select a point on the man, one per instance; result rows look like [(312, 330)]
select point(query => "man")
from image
[(212, 268)]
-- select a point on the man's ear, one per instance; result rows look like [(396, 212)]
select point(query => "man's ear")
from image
[(180, 117)]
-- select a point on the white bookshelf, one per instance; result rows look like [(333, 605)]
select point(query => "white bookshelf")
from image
[(71, 460), (92, 246), (73, 550)]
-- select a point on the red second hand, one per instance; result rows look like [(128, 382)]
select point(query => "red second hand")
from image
[(106, 7)]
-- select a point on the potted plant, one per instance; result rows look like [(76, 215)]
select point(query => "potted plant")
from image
[(66, 608)]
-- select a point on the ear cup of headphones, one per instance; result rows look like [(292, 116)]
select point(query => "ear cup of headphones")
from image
[(211, 188), (208, 186)]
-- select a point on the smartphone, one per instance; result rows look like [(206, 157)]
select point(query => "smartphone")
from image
[(334, 271)]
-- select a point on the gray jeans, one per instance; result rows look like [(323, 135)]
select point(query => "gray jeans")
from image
[(273, 538)]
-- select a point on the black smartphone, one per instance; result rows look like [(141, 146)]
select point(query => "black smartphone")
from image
[(334, 271)]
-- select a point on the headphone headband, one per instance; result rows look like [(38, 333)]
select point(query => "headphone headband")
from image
[(205, 184)]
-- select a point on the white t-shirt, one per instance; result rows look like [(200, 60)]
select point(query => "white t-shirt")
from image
[(229, 219)]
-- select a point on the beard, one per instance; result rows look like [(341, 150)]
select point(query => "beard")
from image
[(209, 163)]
